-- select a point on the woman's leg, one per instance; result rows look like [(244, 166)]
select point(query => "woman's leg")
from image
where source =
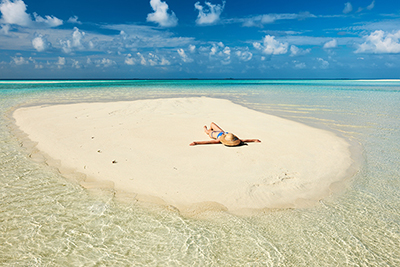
[(215, 127), (213, 131)]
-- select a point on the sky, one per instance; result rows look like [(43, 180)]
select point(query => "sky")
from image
[(155, 39)]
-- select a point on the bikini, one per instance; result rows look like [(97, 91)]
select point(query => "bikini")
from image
[(219, 135)]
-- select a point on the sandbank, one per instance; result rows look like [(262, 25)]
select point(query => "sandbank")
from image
[(142, 148)]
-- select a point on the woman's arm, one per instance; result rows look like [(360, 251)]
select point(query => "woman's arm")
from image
[(204, 142), (251, 140)]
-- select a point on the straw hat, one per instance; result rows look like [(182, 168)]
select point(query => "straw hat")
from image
[(229, 139)]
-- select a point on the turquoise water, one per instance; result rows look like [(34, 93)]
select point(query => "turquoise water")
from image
[(46, 220)]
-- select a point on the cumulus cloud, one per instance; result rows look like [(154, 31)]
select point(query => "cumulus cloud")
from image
[(208, 14), (347, 8), (61, 62), (142, 59), (213, 50), (152, 60), (19, 60), (77, 37), (76, 42), (380, 42), (76, 64), (74, 20), (299, 65), (183, 56), (226, 56), (270, 46), (218, 52), (129, 60), (157, 60), (50, 21), (331, 44), (14, 12), (192, 48), (324, 63), (105, 62), (244, 55), (40, 43), (295, 51), (161, 15)]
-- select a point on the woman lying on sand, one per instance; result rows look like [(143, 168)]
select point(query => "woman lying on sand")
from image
[(220, 136)]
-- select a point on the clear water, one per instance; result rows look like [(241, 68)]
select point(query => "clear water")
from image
[(46, 220)]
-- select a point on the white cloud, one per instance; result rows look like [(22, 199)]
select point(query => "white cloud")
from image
[(295, 51), (74, 20), (66, 46), (75, 64), (271, 46), (164, 62), (19, 60), (183, 55), (226, 56), (61, 62), (347, 8), (76, 42), (227, 51), (213, 50), (40, 43), (152, 60), (371, 6), (161, 15), (156, 60), (244, 55), (105, 62), (5, 28), (260, 20), (299, 65), (324, 63), (218, 52), (209, 14), (15, 13), (142, 59), (380, 42), (129, 60), (331, 44), (77, 37), (192, 48), (50, 21)]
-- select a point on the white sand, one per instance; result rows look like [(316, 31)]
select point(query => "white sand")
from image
[(149, 140)]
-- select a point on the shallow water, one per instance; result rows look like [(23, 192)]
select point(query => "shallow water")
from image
[(48, 220)]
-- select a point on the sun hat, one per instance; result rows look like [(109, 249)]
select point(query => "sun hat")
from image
[(230, 139)]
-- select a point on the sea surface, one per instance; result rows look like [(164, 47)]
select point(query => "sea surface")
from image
[(47, 220)]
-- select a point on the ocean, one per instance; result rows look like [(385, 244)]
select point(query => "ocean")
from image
[(47, 220)]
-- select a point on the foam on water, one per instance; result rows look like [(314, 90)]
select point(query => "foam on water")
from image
[(48, 220)]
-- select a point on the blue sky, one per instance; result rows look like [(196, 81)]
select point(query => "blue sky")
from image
[(199, 39)]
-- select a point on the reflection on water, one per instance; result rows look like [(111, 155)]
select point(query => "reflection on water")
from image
[(47, 220)]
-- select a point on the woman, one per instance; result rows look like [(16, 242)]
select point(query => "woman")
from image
[(220, 136)]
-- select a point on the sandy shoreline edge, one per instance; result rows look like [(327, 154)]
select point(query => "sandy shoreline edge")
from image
[(141, 148)]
